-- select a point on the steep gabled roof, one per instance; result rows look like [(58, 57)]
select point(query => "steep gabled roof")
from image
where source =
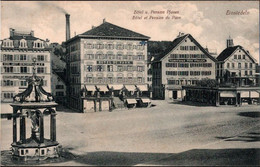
[(171, 47), (226, 53), (176, 42), (110, 30)]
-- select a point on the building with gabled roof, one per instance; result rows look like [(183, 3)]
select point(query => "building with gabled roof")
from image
[(107, 56), (17, 54), (236, 65), (184, 62)]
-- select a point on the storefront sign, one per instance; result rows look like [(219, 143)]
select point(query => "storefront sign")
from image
[(22, 64), (114, 62), (187, 60)]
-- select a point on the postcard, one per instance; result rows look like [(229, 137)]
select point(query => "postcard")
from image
[(130, 83)]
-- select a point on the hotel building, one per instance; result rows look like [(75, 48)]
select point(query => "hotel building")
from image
[(236, 65), (107, 56), (184, 62), (17, 55)]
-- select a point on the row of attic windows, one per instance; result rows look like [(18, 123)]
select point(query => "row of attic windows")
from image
[(23, 44)]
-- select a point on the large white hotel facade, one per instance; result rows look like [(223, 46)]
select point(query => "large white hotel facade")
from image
[(17, 55)]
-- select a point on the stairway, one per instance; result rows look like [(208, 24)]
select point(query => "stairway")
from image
[(118, 103)]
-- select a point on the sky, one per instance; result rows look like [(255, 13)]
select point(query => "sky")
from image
[(208, 22)]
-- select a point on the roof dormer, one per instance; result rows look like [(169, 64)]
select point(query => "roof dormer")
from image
[(8, 43), (38, 44), (23, 43)]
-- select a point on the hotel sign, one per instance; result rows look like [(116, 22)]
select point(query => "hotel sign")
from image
[(187, 60), (114, 62)]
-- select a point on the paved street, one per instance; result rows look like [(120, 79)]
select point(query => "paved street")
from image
[(166, 134)]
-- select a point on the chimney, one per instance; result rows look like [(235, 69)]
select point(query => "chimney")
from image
[(104, 20), (32, 33), (67, 26), (11, 32), (230, 42)]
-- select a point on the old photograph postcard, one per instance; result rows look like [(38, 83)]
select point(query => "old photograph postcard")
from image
[(130, 83)]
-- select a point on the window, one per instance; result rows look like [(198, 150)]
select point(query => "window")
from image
[(239, 56), (206, 73), (8, 95), (228, 65), (171, 65), (119, 46), (40, 69), (109, 67), (251, 72), (89, 80), (23, 69), (23, 83), (129, 46), (246, 73), (183, 73), (119, 68), (110, 46), (171, 72), (89, 46), (233, 65), (110, 56), (184, 65), (8, 57), (244, 56), (40, 57), (235, 56), (119, 56), (110, 79), (89, 68), (239, 65), (140, 57), (99, 46), (59, 87), (251, 65), (99, 56), (130, 79), (119, 79), (99, 68), (60, 94), (139, 79), (140, 68), (194, 73), (89, 56), (129, 68), (8, 69), (8, 83), (246, 65), (171, 82)]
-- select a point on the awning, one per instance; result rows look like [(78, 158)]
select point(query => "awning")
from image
[(116, 87), (142, 87), (131, 101), (254, 94), (90, 88), (146, 100), (228, 94), (130, 87), (244, 94), (102, 88)]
